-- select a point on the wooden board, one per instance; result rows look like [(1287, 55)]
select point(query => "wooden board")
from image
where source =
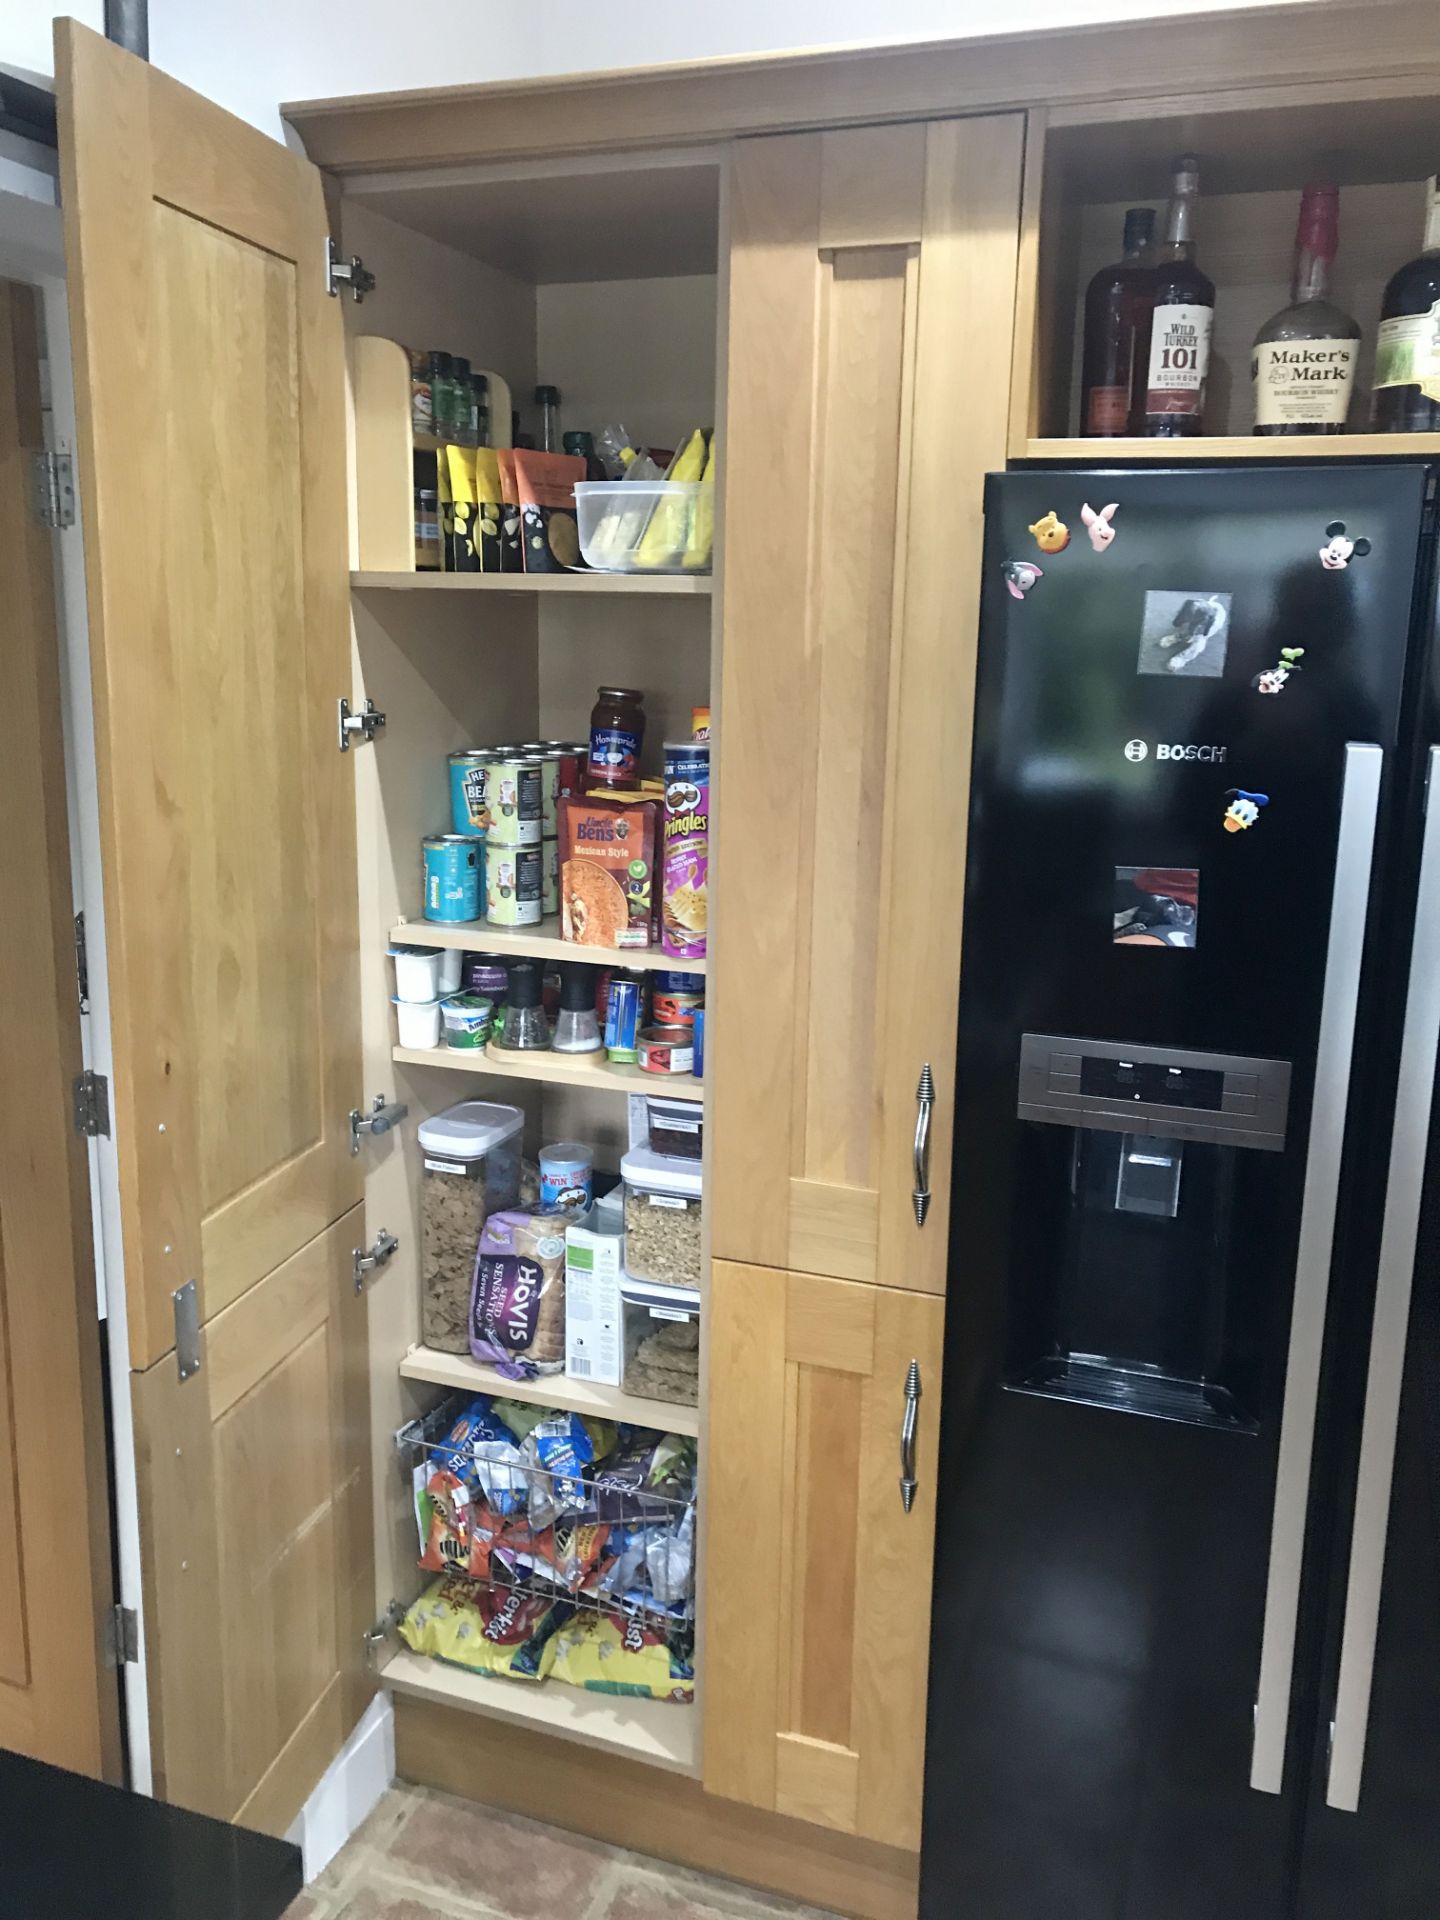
[(661, 584), (1345, 446), (558, 1069), (871, 272), (210, 404), (543, 941), (458, 1371), (817, 1636), (662, 1814), (56, 1700)]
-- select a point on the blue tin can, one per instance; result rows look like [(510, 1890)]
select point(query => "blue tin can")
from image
[(622, 1022), (469, 805), (454, 876), (698, 1069)]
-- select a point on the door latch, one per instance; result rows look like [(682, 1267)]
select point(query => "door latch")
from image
[(369, 1259), (365, 724), (352, 273), (383, 1115)]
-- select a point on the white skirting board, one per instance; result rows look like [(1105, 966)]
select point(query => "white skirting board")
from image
[(351, 1790)]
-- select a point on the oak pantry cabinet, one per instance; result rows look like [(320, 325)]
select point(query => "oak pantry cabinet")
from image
[(859, 267)]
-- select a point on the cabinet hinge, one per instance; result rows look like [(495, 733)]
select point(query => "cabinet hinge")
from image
[(352, 273), (383, 1115), (91, 1093), (120, 1635), (366, 725), (375, 1637), (187, 1331), (368, 1260), (82, 964), (52, 489)]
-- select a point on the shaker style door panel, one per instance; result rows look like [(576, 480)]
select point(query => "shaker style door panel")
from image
[(209, 386), (872, 281), (817, 1628)]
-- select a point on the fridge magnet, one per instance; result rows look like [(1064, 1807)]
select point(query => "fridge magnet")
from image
[(1051, 534), (1156, 906), (1244, 809), (1099, 525), (1184, 633), (1339, 549), (1021, 575), (1273, 679)]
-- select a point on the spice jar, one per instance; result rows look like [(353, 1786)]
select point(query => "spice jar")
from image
[(462, 402), (617, 733), (480, 408), (523, 1026), (576, 1028), (422, 411), (547, 399), (441, 399), (428, 554)]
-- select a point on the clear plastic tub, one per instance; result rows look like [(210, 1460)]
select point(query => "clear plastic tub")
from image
[(662, 1353), (641, 526), (664, 1218), (470, 1168)]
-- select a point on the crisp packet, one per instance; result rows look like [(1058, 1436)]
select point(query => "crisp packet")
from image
[(499, 1631), (608, 1653), (560, 1449)]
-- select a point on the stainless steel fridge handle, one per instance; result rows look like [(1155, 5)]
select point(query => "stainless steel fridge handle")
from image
[(924, 1100), (909, 1485), (1403, 1193), (1354, 857)]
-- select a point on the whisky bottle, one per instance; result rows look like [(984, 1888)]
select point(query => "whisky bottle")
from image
[(1174, 341), (1303, 365), (1407, 346), (1113, 304)]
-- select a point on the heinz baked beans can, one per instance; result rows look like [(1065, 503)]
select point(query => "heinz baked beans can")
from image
[(467, 790)]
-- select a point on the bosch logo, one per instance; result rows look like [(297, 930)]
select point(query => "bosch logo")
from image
[(1135, 749), (1214, 755)]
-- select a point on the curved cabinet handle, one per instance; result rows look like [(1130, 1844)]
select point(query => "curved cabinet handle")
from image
[(924, 1101), (909, 1485), (1391, 1327), (1349, 901)]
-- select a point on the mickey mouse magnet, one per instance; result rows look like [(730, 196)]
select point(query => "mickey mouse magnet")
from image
[(1340, 549)]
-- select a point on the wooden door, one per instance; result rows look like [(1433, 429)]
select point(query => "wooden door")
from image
[(57, 1701), (872, 287), (817, 1577), (211, 422)]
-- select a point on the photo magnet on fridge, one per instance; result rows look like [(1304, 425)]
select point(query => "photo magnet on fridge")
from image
[(1185, 633), (1273, 679), (1099, 525), (1021, 575), (1156, 907), (1339, 549), (1244, 809), (1051, 533)]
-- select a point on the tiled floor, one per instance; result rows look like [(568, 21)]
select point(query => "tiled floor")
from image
[(425, 1856)]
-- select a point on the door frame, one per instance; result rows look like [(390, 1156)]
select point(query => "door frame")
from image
[(32, 251)]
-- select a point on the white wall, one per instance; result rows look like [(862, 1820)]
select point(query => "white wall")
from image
[(251, 57)]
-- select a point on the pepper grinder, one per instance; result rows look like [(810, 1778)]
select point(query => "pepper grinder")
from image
[(523, 1026), (577, 1030)]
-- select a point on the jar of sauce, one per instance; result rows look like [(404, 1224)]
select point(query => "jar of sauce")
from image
[(617, 733)]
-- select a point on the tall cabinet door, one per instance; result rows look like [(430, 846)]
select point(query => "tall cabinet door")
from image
[(209, 378), (872, 287), (817, 1584)]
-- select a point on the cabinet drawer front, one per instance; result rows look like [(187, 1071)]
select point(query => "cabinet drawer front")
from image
[(817, 1576), (871, 286)]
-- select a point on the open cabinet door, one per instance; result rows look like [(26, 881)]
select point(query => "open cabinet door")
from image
[(209, 390)]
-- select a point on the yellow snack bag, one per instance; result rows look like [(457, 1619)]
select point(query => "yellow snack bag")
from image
[(487, 508), (614, 1653), (460, 553), (498, 1631)]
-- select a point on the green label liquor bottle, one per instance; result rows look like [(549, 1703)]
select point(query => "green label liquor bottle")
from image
[(1176, 351), (1303, 365), (1407, 347)]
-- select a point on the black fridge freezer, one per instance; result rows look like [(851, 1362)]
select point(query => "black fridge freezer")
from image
[(1186, 1630)]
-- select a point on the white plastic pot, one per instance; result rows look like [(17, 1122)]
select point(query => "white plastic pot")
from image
[(418, 1021), (417, 973)]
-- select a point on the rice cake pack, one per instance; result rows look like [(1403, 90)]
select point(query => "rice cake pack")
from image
[(608, 894)]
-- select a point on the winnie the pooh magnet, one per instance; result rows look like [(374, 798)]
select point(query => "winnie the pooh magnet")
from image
[(1051, 534)]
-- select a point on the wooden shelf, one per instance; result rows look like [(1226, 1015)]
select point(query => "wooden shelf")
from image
[(458, 1370), (1344, 446), (558, 1069), (658, 1733), (664, 584), (542, 941)]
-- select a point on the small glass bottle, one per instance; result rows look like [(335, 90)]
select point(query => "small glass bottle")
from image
[(422, 409), (441, 402), (548, 401), (576, 1028), (462, 403), (582, 445), (429, 555), (523, 1026), (480, 409)]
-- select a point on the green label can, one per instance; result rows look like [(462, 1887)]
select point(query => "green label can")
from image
[(550, 875), (512, 885), (514, 798)]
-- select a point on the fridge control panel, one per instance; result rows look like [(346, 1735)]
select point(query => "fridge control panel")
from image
[(1219, 1097)]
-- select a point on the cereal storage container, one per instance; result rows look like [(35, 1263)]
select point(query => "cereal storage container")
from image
[(470, 1168), (663, 1218)]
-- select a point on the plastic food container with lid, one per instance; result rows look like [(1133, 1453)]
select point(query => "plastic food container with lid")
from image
[(469, 1169), (664, 1218), (642, 526)]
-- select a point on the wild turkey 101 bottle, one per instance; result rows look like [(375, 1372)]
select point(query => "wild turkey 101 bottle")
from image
[(1172, 348), (1407, 347)]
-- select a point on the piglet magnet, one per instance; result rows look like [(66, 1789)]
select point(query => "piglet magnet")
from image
[(1243, 809), (1100, 525), (1340, 549), (1020, 576)]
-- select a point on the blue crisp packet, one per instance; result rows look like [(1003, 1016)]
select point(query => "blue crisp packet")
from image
[(562, 1449), (453, 1451)]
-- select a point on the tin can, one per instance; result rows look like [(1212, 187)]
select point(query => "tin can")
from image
[(485, 973), (550, 876), (685, 868), (622, 1021), (603, 977), (675, 1006), (549, 795), (454, 876), (514, 800), (468, 812), (467, 1018), (698, 1031), (666, 1050), (700, 723), (512, 886)]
